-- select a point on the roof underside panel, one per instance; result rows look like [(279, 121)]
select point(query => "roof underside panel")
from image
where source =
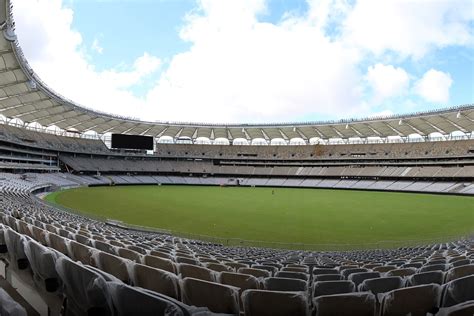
[(23, 95)]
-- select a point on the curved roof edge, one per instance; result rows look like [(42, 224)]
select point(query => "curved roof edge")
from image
[(25, 96)]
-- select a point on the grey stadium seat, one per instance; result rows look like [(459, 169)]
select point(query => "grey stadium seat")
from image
[(436, 277), (16, 249), (348, 304), (157, 280), (217, 297), (327, 277), (381, 285), (191, 271), (86, 290), (332, 287), (414, 300), (461, 309), (160, 263), (129, 301), (9, 307), (255, 272), (284, 284), (358, 278), (458, 291), (292, 275), (459, 272), (42, 262), (274, 303)]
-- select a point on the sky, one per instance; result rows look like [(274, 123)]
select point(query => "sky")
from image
[(250, 61)]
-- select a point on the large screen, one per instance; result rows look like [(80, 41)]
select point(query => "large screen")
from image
[(132, 141)]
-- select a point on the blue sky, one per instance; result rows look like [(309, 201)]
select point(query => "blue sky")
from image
[(252, 60)]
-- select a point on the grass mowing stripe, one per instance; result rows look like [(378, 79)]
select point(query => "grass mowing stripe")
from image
[(289, 215)]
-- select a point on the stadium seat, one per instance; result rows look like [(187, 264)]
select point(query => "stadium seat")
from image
[(381, 285), (86, 290), (318, 271), (284, 284), (348, 304), (274, 303), (359, 277), (461, 309), (347, 272), (191, 271), (255, 272), (403, 272), (328, 277), (114, 265), (160, 263), (130, 301), (9, 307), (58, 243), (458, 291), (129, 254), (433, 267), (332, 287), (42, 262), (292, 275), (436, 277), (459, 272), (217, 297), (16, 249), (414, 300), (217, 267), (157, 280), (80, 252)]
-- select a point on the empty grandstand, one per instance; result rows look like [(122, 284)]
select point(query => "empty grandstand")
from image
[(54, 261)]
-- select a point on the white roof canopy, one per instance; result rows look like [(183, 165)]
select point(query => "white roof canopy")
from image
[(25, 97)]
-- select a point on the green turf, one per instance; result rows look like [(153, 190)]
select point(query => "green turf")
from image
[(289, 216)]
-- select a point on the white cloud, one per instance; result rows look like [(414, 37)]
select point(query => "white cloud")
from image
[(434, 86), (56, 52), (387, 81), (407, 27), (96, 46), (241, 69)]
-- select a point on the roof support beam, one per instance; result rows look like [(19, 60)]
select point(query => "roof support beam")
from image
[(376, 131), (456, 125)]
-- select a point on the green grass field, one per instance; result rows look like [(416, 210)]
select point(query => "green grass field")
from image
[(306, 216)]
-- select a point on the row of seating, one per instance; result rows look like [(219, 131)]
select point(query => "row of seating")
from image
[(237, 279)]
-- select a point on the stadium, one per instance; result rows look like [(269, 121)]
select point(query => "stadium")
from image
[(364, 216)]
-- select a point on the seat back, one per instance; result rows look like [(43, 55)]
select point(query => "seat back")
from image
[(114, 265), (157, 280), (218, 298), (359, 277), (42, 262), (133, 301), (85, 289), (239, 280), (414, 300), (332, 287), (426, 278), (285, 284), (292, 275), (9, 307), (458, 291), (274, 303), (191, 271), (381, 285), (348, 304), (160, 263), (459, 272)]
